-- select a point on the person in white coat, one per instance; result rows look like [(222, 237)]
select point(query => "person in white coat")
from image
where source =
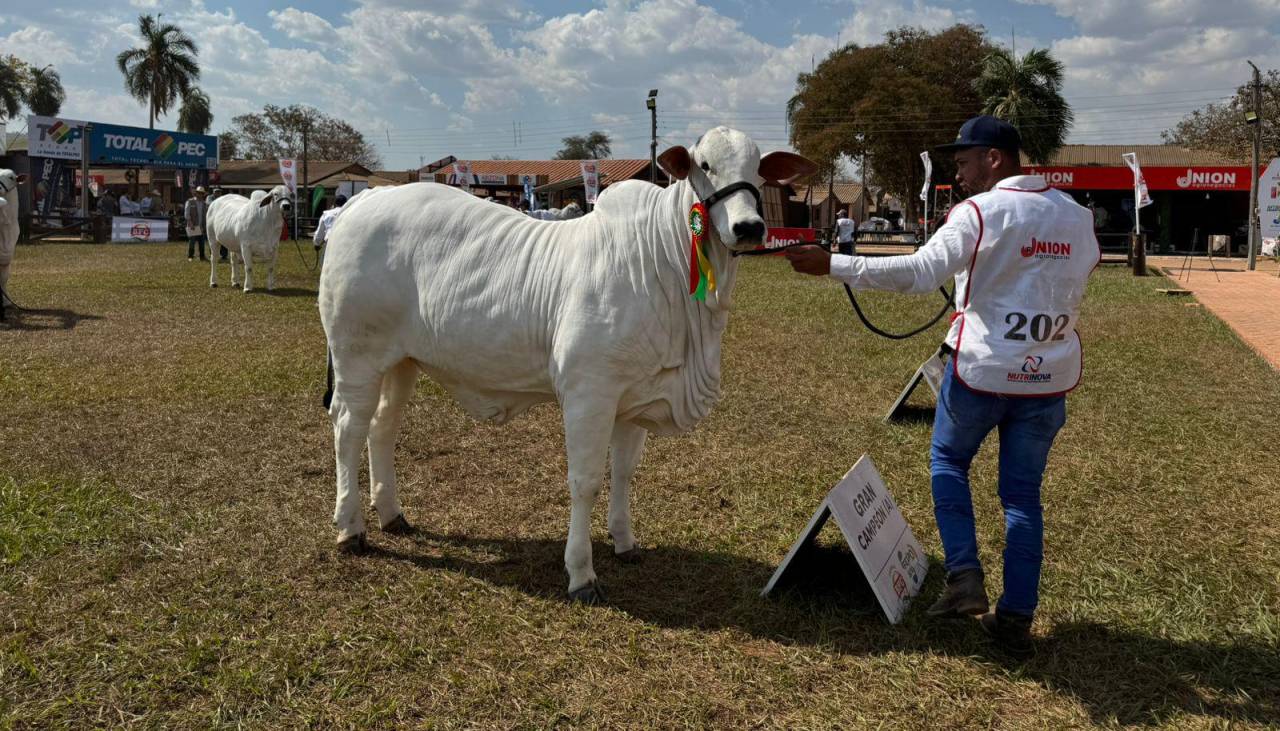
[(845, 227), (1021, 253)]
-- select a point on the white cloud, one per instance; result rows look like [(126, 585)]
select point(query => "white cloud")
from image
[(301, 25), (40, 46)]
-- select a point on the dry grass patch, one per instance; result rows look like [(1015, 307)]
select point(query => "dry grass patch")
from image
[(166, 489)]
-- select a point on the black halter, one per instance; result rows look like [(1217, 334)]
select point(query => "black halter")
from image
[(729, 190)]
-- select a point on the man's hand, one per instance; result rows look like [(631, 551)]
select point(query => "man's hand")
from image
[(809, 260)]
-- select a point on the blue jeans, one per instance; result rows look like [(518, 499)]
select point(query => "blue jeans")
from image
[(1027, 428)]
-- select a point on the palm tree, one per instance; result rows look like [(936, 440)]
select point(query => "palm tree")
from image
[(44, 93), (194, 115), (163, 69), (12, 93), (1026, 93)]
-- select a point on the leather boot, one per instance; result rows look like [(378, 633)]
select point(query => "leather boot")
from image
[(1011, 632), (964, 595)]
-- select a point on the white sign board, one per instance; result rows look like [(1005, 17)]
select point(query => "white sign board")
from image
[(891, 559), (124, 228), (492, 179), (349, 188), (1269, 200), (288, 173), (54, 137), (931, 372), (591, 180)]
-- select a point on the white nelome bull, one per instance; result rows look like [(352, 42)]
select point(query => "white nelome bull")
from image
[(9, 181), (249, 228), (505, 311)]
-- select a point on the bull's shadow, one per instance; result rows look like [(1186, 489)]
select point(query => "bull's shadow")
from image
[(1120, 676), (30, 320)]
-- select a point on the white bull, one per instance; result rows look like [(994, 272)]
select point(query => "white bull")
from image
[(249, 228), (571, 211), (505, 312), (8, 226)]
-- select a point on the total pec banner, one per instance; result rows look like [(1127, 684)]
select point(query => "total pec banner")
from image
[(112, 144), (55, 137), (1269, 200)]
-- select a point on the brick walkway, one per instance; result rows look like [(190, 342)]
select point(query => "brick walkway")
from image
[(1249, 302)]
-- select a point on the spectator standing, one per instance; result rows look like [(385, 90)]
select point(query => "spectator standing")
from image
[(193, 212)]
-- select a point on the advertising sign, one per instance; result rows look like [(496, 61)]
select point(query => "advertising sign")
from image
[(113, 144), (126, 228), (527, 182), (1140, 192), (462, 176), (887, 552), (591, 180), (778, 237), (1198, 178), (288, 175), (492, 179), (54, 137), (1269, 200)]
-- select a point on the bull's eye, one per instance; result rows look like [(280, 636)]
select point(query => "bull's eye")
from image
[(706, 167)]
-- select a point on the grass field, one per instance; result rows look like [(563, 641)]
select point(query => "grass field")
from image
[(166, 555)]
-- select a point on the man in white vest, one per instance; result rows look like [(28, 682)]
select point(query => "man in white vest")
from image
[(1021, 253)]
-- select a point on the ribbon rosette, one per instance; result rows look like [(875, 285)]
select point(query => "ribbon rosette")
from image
[(702, 278)]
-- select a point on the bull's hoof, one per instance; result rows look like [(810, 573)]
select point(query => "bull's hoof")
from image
[(591, 594), (356, 545), (213, 285), (398, 526), (631, 556)]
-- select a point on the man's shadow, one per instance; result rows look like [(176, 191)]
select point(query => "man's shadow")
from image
[(46, 319), (1120, 676)]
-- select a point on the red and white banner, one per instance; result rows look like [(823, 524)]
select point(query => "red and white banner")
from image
[(288, 174), (779, 237), (1269, 200), (591, 180), (462, 175), (1198, 178), (1140, 192)]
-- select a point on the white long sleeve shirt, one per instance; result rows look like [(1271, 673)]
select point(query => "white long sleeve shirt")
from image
[(945, 255)]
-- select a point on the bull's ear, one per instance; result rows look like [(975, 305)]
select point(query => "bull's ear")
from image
[(676, 161), (786, 167), (266, 201)]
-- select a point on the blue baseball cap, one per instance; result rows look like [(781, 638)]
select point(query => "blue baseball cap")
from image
[(985, 131)]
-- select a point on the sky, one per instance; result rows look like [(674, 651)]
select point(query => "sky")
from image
[(483, 78)]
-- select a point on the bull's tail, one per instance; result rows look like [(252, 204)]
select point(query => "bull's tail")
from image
[(328, 379)]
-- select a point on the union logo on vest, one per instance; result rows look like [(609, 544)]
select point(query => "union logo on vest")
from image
[(1046, 250)]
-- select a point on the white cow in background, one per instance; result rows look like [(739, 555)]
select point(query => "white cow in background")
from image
[(505, 312), (249, 228), (9, 181), (571, 211)]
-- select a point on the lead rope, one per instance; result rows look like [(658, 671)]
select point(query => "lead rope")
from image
[(948, 303)]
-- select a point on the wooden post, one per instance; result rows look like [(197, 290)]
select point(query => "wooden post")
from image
[(1138, 247)]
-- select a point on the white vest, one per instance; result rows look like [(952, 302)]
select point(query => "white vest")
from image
[(1017, 324)]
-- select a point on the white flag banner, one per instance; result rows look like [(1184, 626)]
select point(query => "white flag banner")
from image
[(591, 179), (928, 175), (1139, 182), (462, 175), (288, 175), (527, 182)]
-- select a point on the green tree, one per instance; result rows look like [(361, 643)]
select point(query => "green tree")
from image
[(13, 87), (194, 115), (45, 94), (228, 146), (1222, 127), (163, 69), (883, 105), (278, 132), (1027, 93), (592, 146)]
